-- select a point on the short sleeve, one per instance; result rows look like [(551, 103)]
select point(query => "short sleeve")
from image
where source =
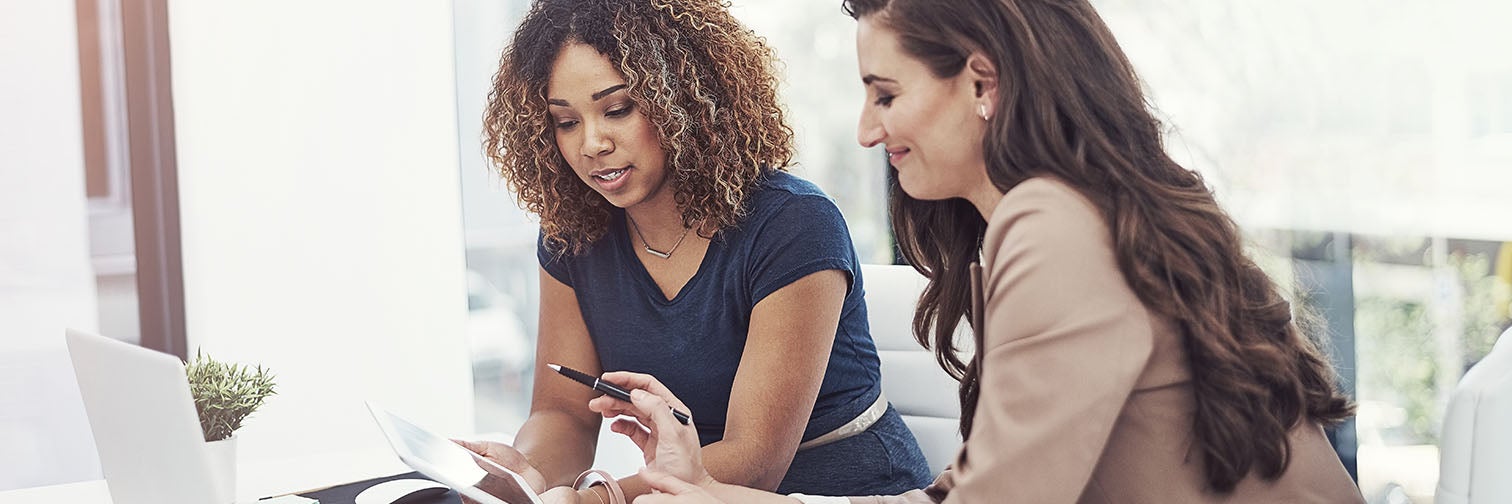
[(806, 234), (555, 262)]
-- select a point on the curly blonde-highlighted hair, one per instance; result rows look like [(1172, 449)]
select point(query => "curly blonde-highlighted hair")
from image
[(706, 82)]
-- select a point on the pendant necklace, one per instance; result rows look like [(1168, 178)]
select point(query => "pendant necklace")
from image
[(647, 245)]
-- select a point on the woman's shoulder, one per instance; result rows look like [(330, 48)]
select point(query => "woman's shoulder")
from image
[(1044, 205), (1043, 194), (788, 209), (780, 193), (783, 184), (561, 254)]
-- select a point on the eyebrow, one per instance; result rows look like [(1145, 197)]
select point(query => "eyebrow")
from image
[(596, 96), (869, 79)]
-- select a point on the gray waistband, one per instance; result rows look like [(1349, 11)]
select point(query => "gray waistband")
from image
[(855, 426)]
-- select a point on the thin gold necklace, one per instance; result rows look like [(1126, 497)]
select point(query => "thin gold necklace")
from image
[(647, 245)]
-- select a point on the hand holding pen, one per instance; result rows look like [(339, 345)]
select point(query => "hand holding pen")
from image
[(609, 389), (671, 447)]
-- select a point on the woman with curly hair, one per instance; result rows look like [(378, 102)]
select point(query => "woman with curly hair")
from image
[(647, 136), (1127, 349)]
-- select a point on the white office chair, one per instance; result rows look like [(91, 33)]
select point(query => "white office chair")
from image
[(1475, 449), (911, 379)]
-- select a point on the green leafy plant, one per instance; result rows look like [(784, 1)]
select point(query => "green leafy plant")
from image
[(225, 394)]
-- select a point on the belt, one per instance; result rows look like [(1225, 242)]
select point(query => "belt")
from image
[(857, 425)]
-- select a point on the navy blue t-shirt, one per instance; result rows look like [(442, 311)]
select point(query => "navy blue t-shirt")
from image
[(693, 342)]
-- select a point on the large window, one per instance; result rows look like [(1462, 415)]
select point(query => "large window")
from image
[(815, 44), (1364, 150), (500, 238)]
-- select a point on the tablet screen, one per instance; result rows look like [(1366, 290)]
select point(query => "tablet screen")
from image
[(450, 463)]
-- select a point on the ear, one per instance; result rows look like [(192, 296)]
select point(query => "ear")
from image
[(983, 75)]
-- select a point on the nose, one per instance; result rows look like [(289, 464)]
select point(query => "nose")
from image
[(869, 131), (596, 141)]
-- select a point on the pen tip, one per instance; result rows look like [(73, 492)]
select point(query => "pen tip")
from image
[(554, 367)]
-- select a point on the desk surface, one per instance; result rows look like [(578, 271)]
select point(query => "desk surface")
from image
[(83, 492), (255, 479)]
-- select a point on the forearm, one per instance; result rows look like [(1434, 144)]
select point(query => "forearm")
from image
[(729, 463), (558, 445), (749, 464), (726, 493), (736, 494)]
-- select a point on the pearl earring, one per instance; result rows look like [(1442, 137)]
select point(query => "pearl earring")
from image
[(982, 111)]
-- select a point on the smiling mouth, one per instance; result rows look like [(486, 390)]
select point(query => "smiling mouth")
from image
[(612, 175)]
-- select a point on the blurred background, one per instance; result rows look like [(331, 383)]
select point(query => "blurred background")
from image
[(1364, 148)]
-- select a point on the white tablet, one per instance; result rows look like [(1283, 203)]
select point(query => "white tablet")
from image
[(446, 461)]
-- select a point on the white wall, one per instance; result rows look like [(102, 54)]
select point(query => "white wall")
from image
[(322, 228), (46, 282)]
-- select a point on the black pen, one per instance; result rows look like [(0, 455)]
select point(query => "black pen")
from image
[(609, 389)]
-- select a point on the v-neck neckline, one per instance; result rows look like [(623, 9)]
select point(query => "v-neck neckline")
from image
[(646, 281)]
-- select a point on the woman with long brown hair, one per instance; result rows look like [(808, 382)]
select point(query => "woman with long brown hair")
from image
[(1127, 349)]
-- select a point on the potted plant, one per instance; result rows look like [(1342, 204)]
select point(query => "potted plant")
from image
[(224, 395)]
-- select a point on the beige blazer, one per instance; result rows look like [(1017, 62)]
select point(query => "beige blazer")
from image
[(1085, 394)]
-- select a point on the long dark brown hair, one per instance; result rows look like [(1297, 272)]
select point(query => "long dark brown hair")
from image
[(706, 82), (1069, 106)]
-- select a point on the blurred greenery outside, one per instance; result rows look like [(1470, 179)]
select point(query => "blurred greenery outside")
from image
[(1395, 339), (1399, 359)]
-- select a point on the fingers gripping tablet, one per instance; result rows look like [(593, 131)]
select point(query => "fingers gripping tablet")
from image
[(466, 472)]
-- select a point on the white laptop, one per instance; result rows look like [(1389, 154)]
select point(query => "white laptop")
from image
[(145, 427)]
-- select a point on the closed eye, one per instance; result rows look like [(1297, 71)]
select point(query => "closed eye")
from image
[(565, 125), (620, 111), (884, 100)]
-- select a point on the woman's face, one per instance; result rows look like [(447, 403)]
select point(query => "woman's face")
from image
[(611, 144), (930, 126)]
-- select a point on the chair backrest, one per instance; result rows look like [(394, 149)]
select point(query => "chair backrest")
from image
[(1475, 449), (911, 379)]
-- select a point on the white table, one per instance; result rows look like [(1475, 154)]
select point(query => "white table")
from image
[(255, 479), (83, 492)]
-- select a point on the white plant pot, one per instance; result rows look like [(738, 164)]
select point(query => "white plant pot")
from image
[(222, 458)]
